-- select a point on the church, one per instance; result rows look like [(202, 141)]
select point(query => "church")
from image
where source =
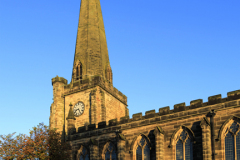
[(93, 115)]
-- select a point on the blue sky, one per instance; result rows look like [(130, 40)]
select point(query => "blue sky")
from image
[(162, 52)]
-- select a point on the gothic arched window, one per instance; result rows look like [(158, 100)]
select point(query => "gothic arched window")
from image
[(83, 154), (78, 71), (109, 74), (232, 142), (184, 149), (142, 149), (110, 152)]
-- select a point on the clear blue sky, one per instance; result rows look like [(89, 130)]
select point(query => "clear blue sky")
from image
[(162, 52)]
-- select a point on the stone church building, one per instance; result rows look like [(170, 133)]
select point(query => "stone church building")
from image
[(93, 115)]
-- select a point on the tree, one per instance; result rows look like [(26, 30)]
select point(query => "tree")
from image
[(10, 147), (36, 145), (58, 149), (42, 143)]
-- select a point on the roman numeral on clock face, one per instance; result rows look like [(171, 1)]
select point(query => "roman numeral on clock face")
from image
[(78, 109)]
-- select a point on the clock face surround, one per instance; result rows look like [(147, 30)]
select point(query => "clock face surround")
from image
[(78, 109)]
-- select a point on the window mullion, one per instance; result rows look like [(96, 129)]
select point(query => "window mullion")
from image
[(110, 155), (235, 147), (79, 71), (184, 150)]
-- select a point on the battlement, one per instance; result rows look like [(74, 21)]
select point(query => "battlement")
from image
[(90, 83), (59, 79), (164, 114)]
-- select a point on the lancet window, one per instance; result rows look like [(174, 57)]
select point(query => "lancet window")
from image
[(83, 154), (184, 147), (232, 142), (109, 74), (142, 149), (78, 71), (110, 152)]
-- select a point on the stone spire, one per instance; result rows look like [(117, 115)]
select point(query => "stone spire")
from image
[(70, 113), (91, 54), (71, 121)]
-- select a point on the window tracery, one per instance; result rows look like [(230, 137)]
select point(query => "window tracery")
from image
[(110, 152), (184, 148), (83, 154), (232, 142), (142, 149)]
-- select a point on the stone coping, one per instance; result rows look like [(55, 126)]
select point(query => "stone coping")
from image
[(150, 118)]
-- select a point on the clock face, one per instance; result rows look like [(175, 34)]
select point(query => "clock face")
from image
[(78, 109)]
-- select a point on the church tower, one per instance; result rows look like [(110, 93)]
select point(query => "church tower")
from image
[(90, 95)]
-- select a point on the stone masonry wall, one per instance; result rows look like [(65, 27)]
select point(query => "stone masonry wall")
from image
[(162, 128), (102, 104), (114, 108), (75, 98), (57, 107)]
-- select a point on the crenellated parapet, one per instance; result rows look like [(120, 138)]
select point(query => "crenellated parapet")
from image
[(88, 83), (59, 79), (180, 111)]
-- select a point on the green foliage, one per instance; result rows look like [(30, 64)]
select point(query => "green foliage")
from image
[(42, 143)]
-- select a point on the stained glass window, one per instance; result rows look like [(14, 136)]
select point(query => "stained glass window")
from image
[(143, 149), (84, 151), (87, 157), (107, 155), (184, 143), (110, 153), (229, 147), (110, 147), (146, 153), (84, 154), (179, 150), (188, 150), (234, 127), (183, 135), (139, 153), (114, 155), (238, 145), (230, 143), (142, 141), (81, 157)]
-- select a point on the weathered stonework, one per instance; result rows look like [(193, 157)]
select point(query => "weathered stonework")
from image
[(91, 52), (161, 130), (91, 82), (105, 125), (159, 143), (100, 104), (206, 139)]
